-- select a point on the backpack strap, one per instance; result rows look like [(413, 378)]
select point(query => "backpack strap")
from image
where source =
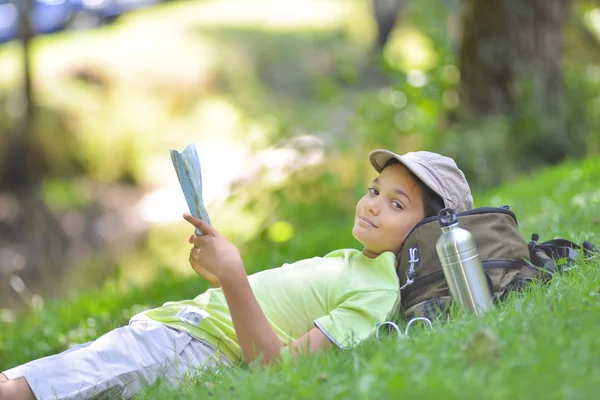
[(541, 256), (545, 255), (432, 309), (566, 248)]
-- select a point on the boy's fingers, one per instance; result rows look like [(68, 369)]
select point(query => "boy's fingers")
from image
[(194, 239), (199, 224), (194, 253)]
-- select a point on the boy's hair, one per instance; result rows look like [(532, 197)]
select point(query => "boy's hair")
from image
[(432, 203)]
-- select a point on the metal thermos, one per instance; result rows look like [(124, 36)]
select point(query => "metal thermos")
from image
[(463, 270)]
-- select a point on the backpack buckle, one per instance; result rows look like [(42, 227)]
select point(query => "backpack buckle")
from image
[(534, 239)]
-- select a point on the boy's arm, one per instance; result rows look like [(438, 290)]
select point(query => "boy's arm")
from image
[(310, 342), (254, 332)]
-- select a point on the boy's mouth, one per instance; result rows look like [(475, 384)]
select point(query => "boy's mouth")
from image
[(366, 222)]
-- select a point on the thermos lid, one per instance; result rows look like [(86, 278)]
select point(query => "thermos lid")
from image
[(447, 217)]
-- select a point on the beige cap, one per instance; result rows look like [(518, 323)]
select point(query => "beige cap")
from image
[(439, 173)]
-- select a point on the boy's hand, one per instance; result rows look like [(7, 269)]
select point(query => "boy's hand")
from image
[(195, 263), (215, 255)]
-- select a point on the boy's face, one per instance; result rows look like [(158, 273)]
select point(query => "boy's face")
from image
[(385, 215)]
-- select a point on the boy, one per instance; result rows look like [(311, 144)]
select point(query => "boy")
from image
[(311, 305)]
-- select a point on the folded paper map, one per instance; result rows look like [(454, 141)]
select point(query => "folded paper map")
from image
[(187, 167)]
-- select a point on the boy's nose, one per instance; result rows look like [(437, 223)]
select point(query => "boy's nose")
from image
[(373, 207)]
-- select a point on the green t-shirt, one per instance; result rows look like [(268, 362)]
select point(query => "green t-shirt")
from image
[(345, 294)]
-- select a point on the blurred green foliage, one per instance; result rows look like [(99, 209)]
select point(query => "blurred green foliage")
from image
[(111, 102), (108, 107)]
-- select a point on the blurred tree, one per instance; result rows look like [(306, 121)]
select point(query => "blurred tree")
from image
[(386, 12), (16, 173), (511, 52), (32, 233)]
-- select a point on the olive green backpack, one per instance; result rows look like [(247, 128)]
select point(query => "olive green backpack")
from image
[(508, 260)]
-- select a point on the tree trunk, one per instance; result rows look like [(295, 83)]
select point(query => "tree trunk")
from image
[(511, 52), (31, 233), (16, 172), (386, 12)]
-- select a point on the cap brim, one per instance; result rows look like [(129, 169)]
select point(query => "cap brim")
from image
[(380, 157)]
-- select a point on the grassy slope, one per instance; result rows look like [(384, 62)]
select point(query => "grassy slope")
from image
[(540, 344)]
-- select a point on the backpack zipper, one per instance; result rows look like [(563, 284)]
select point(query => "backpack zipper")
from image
[(476, 211)]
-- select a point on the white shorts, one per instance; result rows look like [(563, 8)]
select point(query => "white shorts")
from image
[(120, 362)]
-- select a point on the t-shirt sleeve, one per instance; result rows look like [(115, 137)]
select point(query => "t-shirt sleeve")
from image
[(356, 318)]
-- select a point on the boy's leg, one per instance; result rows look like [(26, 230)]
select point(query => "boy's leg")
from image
[(3, 378), (121, 361), (16, 389)]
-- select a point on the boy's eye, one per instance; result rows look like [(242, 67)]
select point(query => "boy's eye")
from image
[(397, 204), (372, 190)]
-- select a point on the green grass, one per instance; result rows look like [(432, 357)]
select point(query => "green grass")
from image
[(542, 343)]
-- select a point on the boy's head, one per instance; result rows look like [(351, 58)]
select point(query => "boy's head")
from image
[(409, 187)]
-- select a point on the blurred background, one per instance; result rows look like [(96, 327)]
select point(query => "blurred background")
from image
[(284, 101)]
